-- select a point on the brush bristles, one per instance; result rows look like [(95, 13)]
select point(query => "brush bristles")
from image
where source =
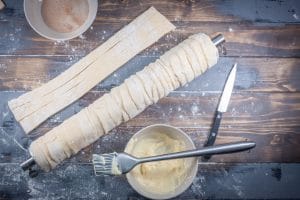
[(103, 163)]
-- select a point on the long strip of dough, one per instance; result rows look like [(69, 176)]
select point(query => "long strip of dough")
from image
[(34, 107), (173, 69)]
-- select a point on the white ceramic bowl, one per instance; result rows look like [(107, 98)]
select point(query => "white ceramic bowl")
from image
[(174, 133), (32, 9)]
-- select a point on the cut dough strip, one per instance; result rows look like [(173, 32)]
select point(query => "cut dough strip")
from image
[(125, 101), (34, 107)]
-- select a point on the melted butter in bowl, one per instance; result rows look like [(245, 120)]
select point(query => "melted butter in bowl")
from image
[(161, 179)]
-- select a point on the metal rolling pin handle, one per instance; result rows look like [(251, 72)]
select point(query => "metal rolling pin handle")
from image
[(28, 164), (219, 39)]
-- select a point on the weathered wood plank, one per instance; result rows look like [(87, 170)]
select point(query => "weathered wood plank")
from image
[(213, 181), (196, 109), (265, 106), (277, 11), (270, 119), (212, 11), (244, 39), (254, 74)]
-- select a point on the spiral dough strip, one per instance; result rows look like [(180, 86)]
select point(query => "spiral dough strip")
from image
[(175, 68)]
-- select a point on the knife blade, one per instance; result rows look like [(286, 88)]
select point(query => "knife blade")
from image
[(224, 101), (222, 107)]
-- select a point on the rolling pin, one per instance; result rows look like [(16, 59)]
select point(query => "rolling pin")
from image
[(173, 69)]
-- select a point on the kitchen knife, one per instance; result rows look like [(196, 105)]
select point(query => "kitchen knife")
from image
[(222, 107)]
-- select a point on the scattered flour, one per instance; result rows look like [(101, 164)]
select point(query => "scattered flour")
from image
[(179, 109), (55, 119), (295, 16), (4, 114), (238, 190), (196, 187), (103, 193), (194, 109), (82, 37), (233, 112)]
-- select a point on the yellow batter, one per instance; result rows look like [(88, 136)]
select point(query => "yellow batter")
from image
[(161, 176)]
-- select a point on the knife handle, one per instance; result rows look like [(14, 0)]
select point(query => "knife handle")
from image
[(214, 131)]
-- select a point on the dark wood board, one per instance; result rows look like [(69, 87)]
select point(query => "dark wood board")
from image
[(262, 36), (25, 73), (243, 39), (248, 33), (213, 181)]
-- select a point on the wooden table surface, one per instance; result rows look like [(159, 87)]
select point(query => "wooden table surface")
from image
[(263, 37)]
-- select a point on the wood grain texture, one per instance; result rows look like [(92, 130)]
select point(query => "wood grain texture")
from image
[(243, 39), (213, 181), (251, 28), (254, 74), (270, 119), (262, 36), (187, 10)]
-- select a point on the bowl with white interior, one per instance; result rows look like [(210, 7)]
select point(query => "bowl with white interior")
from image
[(190, 169), (33, 13)]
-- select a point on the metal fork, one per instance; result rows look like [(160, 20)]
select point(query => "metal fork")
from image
[(122, 163)]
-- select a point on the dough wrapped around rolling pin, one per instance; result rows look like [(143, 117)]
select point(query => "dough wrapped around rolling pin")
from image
[(173, 69)]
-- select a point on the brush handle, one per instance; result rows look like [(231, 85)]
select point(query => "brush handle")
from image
[(213, 150)]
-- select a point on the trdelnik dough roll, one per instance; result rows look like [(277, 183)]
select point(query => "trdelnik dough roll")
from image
[(181, 64)]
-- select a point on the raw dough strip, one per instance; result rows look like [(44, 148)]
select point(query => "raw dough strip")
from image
[(34, 107), (124, 102)]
